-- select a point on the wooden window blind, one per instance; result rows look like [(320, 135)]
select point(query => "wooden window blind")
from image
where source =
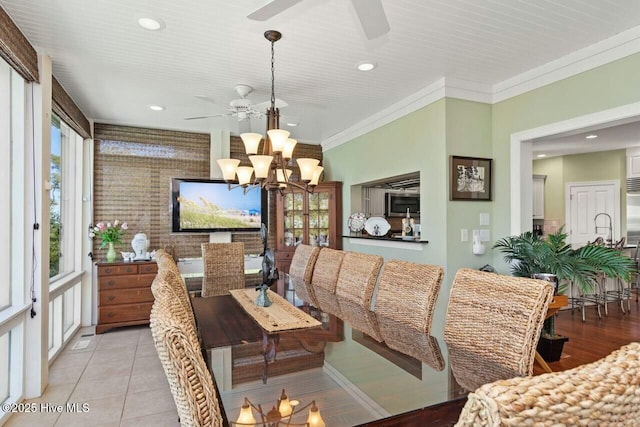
[(16, 49), (68, 111), (133, 168)]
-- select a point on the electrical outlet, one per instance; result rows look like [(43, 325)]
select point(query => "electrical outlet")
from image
[(464, 235)]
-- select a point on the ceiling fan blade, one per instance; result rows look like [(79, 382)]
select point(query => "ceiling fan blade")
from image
[(271, 9), (206, 117), (372, 17), (263, 106)]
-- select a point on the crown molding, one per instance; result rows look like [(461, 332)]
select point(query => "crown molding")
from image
[(601, 53), (452, 88)]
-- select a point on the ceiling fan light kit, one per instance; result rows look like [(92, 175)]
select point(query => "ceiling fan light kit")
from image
[(269, 168)]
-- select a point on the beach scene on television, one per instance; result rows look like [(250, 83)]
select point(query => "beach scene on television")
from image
[(206, 205)]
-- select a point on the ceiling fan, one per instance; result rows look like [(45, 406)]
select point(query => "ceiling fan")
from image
[(370, 13), (242, 108)]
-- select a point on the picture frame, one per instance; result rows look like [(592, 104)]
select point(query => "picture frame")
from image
[(471, 178)]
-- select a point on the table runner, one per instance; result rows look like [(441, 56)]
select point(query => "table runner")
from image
[(280, 316)]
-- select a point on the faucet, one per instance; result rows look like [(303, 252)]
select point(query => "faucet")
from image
[(610, 227)]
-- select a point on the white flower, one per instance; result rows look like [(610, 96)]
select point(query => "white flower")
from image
[(108, 225), (115, 223)]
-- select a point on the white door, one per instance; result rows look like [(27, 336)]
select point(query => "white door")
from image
[(593, 210)]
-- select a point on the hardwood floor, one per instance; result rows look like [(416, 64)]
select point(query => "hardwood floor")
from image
[(595, 338)]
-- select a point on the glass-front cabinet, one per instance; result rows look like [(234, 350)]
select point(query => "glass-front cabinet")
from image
[(310, 219)]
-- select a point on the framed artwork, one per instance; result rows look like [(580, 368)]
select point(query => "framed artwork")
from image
[(470, 178)]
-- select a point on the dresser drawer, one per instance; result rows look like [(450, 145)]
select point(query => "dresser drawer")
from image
[(124, 312), (148, 268), (125, 282), (117, 270), (125, 296)]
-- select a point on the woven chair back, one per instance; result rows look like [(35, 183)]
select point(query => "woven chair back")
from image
[(301, 271), (354, 290), (173, 297), (325, 278), (303, 261), (605, 393), (189, 379), (407, 294), (497, 317), (165, 261), (223, 268)]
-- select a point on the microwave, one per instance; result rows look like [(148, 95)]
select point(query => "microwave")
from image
[(398, 203)]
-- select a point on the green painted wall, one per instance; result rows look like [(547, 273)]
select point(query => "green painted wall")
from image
[(412, 143), (553, 186), (600, 166), (423, 140), (468, 133), (605, 87)]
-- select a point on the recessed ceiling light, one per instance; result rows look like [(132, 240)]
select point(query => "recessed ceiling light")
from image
[(366, 66), (156, 107), (153, 24), (592, 136), (541, 155)]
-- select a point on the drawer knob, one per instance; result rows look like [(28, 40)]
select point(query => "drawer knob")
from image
[(108, 270), (129, 269), (111, 282), (110, 314), (111, 297)]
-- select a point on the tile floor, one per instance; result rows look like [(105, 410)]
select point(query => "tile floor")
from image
[(118, 375)]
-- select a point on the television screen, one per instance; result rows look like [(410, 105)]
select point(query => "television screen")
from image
[(206, 206)]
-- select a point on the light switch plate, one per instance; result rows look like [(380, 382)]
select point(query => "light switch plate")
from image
[(464, 235), (484, 235), (485, 219)]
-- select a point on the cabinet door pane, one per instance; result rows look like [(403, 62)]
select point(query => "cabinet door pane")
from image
[(323, 201)]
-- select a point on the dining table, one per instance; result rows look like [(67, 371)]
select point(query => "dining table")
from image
[(351, 378)]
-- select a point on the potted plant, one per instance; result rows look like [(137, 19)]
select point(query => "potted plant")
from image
[(530, 255)]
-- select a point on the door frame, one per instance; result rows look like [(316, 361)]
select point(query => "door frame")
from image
[(616, 204), (521, 203)]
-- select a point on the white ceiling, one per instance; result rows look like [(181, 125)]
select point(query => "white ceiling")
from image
[(114, 69), (614, 136)]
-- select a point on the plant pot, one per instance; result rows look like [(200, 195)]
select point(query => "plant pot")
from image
[(551, 348)]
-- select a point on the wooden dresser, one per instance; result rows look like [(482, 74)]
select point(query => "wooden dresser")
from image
[(124, 293)]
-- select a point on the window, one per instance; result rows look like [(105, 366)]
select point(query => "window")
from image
[(65, 234), (65, 177), (14, 197), (55, 199)]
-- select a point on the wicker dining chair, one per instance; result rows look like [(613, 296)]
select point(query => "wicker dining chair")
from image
[(604, 393), (325, 278), (406, 297), (497, 317), (223, 268), (165, 261), (301, 272), (354, 291), (190, 381), (166, 291)]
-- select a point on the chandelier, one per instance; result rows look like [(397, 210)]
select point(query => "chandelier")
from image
[(280, 414), (270, 169)]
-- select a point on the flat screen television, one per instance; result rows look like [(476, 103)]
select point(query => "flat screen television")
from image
[(207, 206)]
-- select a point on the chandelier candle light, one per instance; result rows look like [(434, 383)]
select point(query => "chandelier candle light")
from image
[(269, 168), (281, 414)]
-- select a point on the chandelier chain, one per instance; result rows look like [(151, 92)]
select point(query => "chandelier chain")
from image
[(273, 93)]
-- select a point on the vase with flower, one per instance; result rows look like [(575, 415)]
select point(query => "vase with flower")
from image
[(111, 234)]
